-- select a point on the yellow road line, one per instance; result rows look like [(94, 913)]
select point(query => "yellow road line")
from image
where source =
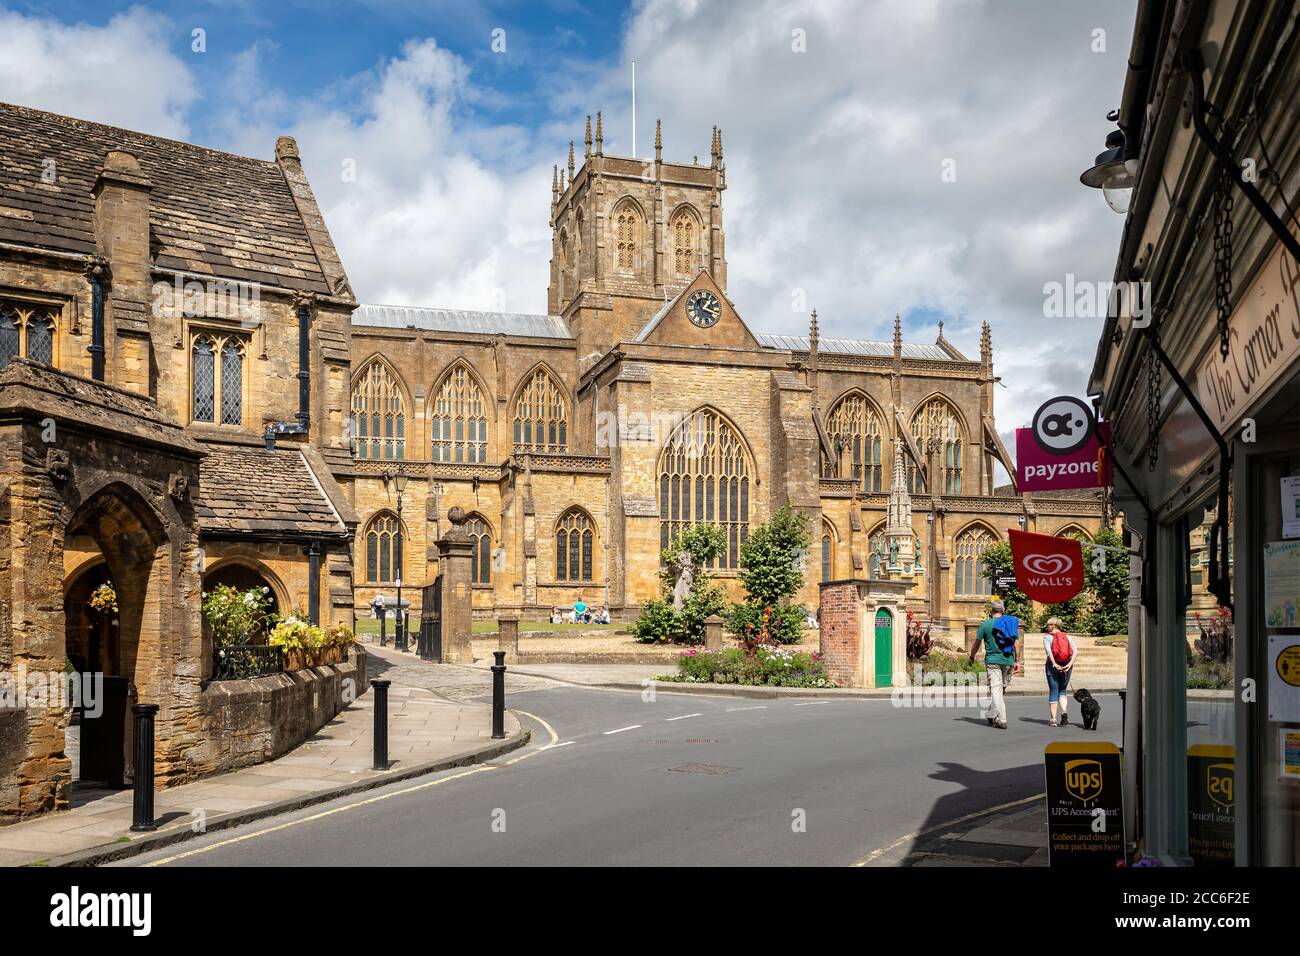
[(877, 854), (549, 729)]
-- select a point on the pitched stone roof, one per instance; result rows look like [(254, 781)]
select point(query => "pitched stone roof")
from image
[(210, 213), (255, 491), (460, 320)]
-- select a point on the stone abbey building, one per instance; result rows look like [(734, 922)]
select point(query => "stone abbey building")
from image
[(190, 395), (580, 441)]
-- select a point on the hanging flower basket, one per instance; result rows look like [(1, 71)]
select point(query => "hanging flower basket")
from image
[(103, 600)]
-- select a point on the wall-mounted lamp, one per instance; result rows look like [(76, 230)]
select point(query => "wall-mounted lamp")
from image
[(1115, 170)]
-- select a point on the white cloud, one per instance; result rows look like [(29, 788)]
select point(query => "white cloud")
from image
[(122, 73), (834, 156)]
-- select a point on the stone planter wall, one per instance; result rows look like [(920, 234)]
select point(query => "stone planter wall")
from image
[(250, 721)]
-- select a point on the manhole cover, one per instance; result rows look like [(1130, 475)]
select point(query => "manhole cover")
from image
[(711, 769)]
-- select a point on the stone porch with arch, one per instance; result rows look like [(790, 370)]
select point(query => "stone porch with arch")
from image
[(99, 486)]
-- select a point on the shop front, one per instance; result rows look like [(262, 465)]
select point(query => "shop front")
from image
[(1202, 389)]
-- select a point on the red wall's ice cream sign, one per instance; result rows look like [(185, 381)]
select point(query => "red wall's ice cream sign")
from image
[(1048, 569), (1263, 340)]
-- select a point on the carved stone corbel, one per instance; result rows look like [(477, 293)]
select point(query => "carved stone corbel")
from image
[(178, 486), (58, 465)]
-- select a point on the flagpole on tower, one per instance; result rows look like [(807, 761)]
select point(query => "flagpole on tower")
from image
[(634, 109)]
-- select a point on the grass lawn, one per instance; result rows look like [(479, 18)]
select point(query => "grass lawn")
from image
[(367, 625)]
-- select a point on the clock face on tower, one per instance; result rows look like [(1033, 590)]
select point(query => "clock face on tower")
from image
[(703, 308)]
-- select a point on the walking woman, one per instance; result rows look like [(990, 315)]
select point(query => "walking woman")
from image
[(1061, 655)]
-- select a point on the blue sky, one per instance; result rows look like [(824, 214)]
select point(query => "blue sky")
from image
[(839, 118), (311, 49)]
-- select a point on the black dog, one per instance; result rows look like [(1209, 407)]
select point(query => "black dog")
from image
[(1091, 709)]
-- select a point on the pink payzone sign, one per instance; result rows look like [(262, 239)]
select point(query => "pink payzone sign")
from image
[(1040, 470)]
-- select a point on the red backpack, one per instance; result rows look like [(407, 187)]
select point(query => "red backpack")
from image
[(1061, 649)]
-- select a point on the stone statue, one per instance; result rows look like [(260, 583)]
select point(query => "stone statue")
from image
[(685, 579)]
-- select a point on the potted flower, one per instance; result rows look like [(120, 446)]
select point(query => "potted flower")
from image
[(288, 635), (103, 600), (341, 638)]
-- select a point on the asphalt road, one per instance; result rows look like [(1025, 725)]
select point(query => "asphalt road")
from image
[(680, 780)]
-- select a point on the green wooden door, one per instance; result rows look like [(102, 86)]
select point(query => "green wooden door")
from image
[(884, 648)]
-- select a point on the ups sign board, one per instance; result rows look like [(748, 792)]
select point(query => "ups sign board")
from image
[(1085, 808), (1211, 804)]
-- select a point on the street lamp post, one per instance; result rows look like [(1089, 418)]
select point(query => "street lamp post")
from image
[(399, 626)]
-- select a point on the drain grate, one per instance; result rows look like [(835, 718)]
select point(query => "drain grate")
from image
[(711, 769)]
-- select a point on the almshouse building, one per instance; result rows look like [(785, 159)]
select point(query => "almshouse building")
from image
[(165, 312)]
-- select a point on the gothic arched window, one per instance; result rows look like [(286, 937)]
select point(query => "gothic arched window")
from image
[(378, 414), (937, 429), (854, 429), (971, 579), (828, 550), (627, 237), (684, 232), (575, 541), (26, 331), (383, 555), (217, 378), (458, 422), (480, 539), (540, 420), (704, 479)]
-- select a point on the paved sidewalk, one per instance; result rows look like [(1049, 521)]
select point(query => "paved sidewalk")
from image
[(1016, 836), (425, 730)]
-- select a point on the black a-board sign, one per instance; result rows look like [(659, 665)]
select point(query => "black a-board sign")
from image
[(1211, 806), (1085, 804)]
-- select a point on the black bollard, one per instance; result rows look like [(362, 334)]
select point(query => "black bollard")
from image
[(499, 695), (142, 749), (381, 722)]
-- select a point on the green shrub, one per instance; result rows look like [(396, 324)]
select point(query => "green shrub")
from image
[(753, 624), (1208, 674), (767, 667), (946, 663), (656, 624)]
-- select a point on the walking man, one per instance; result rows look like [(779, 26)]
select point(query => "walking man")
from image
[(1000, 638)]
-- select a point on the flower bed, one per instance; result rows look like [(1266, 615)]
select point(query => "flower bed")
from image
[(766, 667)]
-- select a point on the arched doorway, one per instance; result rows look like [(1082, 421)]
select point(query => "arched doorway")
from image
[(242, 577), (121, 652)]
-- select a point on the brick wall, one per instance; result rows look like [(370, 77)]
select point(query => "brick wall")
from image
[(841, 630)]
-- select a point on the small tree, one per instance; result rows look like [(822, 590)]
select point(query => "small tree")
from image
[(1108, 612), (772, 558), (689, 596), (772, 562), (996, 562)]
